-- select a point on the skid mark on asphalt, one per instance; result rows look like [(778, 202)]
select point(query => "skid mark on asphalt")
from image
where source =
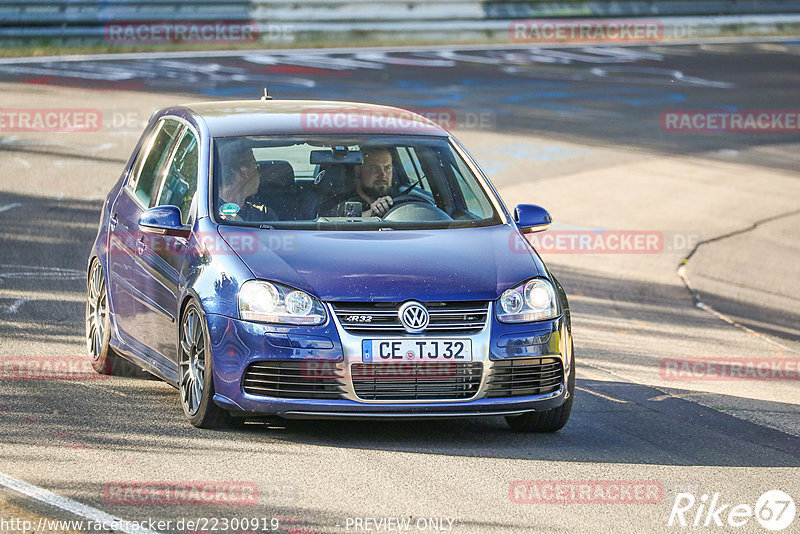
[(684, 276), (84, 149), (101, 388)]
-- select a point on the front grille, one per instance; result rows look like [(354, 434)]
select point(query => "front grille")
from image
[(294, 379), (525, 376), (381, 317), (416, 380)]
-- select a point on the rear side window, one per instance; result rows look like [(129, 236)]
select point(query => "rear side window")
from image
[(180, 181), (165, 138)]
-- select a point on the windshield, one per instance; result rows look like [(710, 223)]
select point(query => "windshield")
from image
[(346, 183)]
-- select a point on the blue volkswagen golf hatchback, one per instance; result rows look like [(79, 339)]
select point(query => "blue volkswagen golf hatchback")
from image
[(309, 259)]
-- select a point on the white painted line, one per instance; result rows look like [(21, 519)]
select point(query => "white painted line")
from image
[(35, 271), (74, 507), (22, 162), (601, 395), (40, 268), (14, 307), (9, 207)]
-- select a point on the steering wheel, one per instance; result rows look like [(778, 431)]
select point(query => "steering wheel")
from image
[(433, 212), (401, 200)]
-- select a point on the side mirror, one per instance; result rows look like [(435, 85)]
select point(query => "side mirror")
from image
[(531, 218), (164, 220)]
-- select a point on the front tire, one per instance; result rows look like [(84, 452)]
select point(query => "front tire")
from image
[(196, 377), (548, 420)]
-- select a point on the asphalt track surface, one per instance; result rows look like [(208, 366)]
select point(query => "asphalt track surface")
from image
[(549, 128)]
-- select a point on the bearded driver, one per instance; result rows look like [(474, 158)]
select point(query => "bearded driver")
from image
[(373, 183)]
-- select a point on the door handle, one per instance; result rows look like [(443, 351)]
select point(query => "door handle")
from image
[(141, 246), (113, 221)]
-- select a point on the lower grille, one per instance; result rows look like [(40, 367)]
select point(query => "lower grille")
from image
[(294, 379), (416, 380), (525, 376)]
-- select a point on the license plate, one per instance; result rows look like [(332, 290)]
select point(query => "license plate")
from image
[(416, 350)]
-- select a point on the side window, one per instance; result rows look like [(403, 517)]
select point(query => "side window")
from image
[(136, 168), (477, 203), (180, 180), (161, 147), (412, 166)]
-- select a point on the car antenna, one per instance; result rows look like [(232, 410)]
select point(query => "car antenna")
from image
[(266, 96)]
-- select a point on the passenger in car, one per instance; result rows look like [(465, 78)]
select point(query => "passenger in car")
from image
[(373, 185), (239, 181)]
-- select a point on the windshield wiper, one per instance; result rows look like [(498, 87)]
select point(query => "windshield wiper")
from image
[(412, 186)]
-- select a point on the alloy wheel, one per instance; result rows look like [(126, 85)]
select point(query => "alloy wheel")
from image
[(97, 311), (192, 363)]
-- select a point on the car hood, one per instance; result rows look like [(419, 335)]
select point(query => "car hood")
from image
[(388, 266)]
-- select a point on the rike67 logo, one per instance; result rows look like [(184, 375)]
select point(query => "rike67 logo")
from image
[(774, 510)]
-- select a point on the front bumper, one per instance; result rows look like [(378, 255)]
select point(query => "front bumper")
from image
[(237, 344)]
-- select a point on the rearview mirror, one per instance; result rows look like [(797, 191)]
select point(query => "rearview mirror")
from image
[(337, 155), (532, 218), (163, 220)]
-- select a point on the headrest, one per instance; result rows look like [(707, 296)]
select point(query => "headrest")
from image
[(337, 177), (276, 173)]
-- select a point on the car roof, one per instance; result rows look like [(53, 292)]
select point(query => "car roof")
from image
[(267, 117)]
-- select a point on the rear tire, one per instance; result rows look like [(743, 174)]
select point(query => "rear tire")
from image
[(196, 375), (547, 420), (98, 327)]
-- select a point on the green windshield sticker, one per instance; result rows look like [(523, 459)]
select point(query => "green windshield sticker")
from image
[(229, 209)]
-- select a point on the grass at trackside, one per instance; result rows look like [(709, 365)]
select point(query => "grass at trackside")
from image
[(56, 49), (40, 50)]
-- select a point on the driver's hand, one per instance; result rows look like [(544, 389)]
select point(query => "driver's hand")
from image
[(379, 207)]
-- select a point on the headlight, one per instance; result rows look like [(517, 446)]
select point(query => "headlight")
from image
[(534, 300), (268, 302)]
